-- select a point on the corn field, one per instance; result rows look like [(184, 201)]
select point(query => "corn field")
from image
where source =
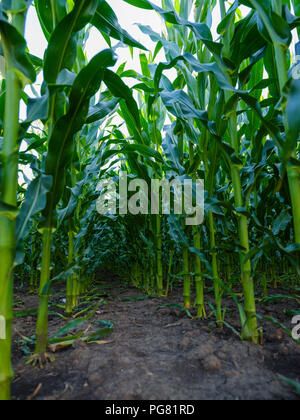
[(217, 99)]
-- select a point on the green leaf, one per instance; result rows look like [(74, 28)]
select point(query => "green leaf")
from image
[(35, 201), (277, 28), (37, 108), (128, 105), (50, 13), (106, 329), (176, 231), (65, 78), (142, 4), (143, 151), (101, 110), (293, 116), (281, 222), (62, 49), (25, 313), (292, 383), (14, 49), (71, 326), (180, 105), (106, 21)]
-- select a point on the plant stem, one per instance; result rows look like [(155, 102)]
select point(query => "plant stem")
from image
[(218, 296), (169, 273), (186, 278), (42, 322), (294, 184), (69, 303), (247, 281), (198, 276), (160, 286), (8, 191), (293, 173)]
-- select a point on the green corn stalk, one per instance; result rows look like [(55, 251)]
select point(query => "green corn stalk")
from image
[(70, 280), (210, 177), (199, 280), (42, 322), (247, 281), (159, 277), (280, 50), (293, 172), (186, 278), (33, 277), (9, 200)]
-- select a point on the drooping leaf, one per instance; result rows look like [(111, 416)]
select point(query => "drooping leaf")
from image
[(35, 201), (14, 48), (106, 21)]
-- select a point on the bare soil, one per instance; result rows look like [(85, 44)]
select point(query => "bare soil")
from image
[(160, 355)]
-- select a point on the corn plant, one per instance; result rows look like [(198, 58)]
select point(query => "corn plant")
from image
[(62, 126), (228, 114), (63, 107), (227, 62), (18, 72)]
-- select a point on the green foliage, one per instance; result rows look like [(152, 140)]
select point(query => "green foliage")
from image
[(223, 109)]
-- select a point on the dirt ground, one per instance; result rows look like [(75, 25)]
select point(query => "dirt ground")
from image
[(160, 355)]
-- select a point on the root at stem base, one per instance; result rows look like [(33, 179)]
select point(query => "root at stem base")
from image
[(40, 360)]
